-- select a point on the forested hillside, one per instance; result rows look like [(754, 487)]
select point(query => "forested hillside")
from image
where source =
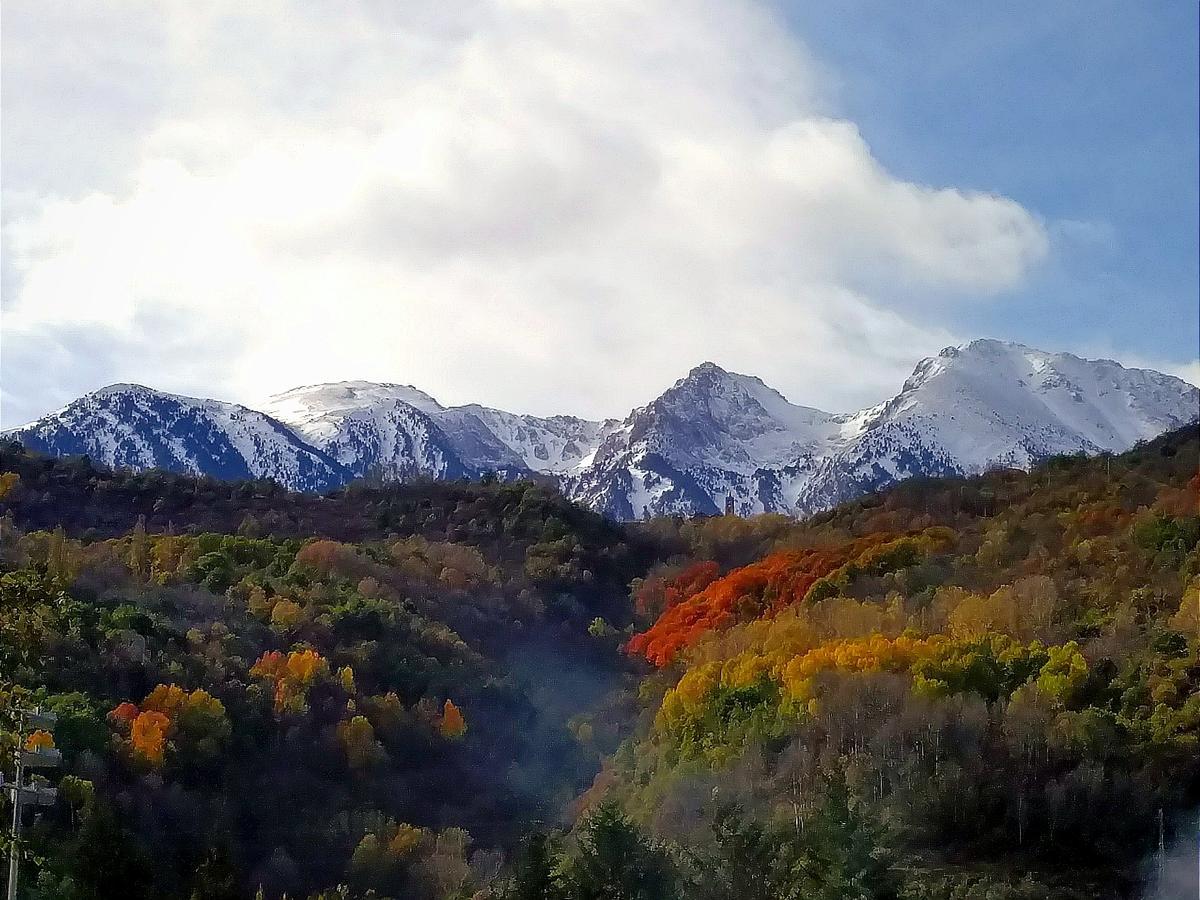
[(984, 688), (242, 706), (1003, 674)]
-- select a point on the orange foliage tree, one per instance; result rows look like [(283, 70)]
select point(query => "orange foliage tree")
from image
[(39, 740), (168, 711), (148, 737), (452, 725), (291, 674), (332, 558)]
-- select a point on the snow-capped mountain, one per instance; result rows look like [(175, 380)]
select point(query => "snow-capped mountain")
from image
[(990, 404), (971, 408), (377, 430), (712, 435), (135, 427)]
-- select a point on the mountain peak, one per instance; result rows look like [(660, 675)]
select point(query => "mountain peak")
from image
[(710, 381), (992, 345), (708, 377), (984, 347), (124, 387), (302, 406), (353, 390)]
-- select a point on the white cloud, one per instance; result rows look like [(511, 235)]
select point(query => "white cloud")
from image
[(537, 205), (1188, 370)]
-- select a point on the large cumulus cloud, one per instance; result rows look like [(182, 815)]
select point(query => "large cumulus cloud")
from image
[(537, 205)]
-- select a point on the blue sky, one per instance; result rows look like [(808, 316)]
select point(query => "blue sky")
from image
[(563, 207), (1081, 111)]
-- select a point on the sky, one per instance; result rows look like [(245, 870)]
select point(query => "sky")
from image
[(550, 207)]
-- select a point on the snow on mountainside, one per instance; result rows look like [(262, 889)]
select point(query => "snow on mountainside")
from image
[(401, 431), (1049, 402), (968, 409), (991, 403), (134, 427), (316, 410), (375, 430), (557, 445), (712, 434)]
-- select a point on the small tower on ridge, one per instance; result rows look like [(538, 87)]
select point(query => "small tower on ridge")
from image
[(729, 510)]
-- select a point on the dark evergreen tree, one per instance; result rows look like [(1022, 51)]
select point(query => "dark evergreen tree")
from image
[(847, 856), (534, 872), (614, 861)]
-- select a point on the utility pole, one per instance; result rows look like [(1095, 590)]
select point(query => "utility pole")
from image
[(33, 793), (14, 853), (1162, 847)]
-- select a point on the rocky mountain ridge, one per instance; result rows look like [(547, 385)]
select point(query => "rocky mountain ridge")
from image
[(711, 435)]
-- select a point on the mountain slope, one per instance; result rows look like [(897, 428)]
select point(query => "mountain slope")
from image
[(131, 426), (991, 404), (1049, 402), (377, 430), (711, 434), (401, 431), (971, 408), (554, 445)]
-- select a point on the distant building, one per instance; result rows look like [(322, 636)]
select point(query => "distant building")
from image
[(729, 510)]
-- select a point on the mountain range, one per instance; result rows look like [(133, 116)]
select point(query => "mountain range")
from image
[(713, 434)]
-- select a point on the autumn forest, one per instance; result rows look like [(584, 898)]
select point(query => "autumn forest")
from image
[(960, 689)]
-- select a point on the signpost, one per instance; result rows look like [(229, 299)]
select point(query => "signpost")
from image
[(22, 793)]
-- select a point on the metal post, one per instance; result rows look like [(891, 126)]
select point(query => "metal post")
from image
[(14, 857)]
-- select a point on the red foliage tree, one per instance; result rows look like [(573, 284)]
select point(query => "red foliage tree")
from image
[(768, 585)]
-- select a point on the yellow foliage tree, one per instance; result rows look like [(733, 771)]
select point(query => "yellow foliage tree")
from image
[(358, 741), (1063, 674), (8, 481), (168, 554), (61, 555), (167, 699), (407, 838), (257, 602), (304, 666), (203, 721), (1187, 620), (139, 550), (286, 615)]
